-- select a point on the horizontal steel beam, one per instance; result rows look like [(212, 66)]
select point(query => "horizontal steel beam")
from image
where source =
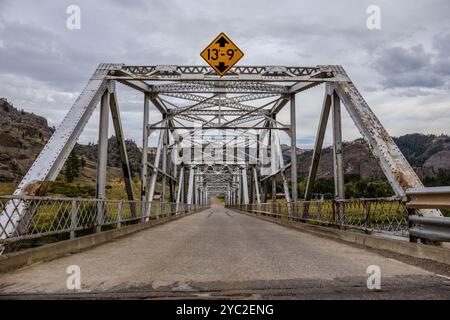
[(224, 102), (218, 128), (220, 87), (216, 112), (205, 73)]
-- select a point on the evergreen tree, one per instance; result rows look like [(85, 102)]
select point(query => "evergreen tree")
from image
[(72, 167), (82, 162)]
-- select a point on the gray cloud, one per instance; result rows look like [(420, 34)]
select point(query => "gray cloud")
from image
[(414, 67), (398, 60)]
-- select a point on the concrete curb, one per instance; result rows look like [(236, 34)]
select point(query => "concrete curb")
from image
[(415, 250), (23, 258)]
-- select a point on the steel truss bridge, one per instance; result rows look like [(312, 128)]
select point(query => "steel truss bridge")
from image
[(201, 112)]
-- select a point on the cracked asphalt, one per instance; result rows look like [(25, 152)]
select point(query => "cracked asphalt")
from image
[(219, 253)]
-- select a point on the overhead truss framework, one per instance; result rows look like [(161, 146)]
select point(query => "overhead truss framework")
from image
[(195, 103)]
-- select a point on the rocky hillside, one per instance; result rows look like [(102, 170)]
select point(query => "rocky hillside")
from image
[(357, 160), (24, 134), (134, 154)]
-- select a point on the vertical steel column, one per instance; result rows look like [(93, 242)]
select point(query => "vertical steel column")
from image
[(283, 175), (180, 184), (102, 157), (255, 175), (264, 191), (294, 179), (175, 157), (339, 190), (197, 191), (245, 186), (172, 173), (185, 186), (196, 186), (164, 169), (154, 177), (201, 190), (190, 186), (273, 164), (274, 189), (233, 191), (144, 159), (239, 190), (261, 186), (252, 186), (102, 146)]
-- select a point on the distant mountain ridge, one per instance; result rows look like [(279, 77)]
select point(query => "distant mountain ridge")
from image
[(429, 151), (426, 153)]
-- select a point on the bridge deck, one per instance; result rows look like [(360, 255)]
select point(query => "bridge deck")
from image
[(220, 252)]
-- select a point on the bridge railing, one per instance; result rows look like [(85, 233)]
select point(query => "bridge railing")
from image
[(381, 215), (48, 220)]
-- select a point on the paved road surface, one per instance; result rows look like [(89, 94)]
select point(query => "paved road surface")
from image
[(220, 253)]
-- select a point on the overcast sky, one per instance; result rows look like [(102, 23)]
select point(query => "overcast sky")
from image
[(402, 70)]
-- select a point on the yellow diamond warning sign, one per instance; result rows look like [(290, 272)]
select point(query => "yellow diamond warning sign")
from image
[(222, 54)]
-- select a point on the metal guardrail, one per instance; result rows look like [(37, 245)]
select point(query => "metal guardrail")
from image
[(383, 215), (429, 198), (430, 228), (56, 219)]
